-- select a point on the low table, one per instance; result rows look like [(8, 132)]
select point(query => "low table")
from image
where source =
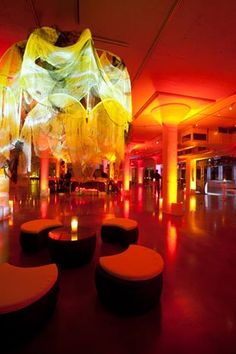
[(69, 248)]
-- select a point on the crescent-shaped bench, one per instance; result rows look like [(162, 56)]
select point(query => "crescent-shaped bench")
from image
[(27, 297), (120, 230), (34, 233), (131, 281)]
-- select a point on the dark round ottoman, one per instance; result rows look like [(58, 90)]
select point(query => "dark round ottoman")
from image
[(70, 249), (120, 230), (130, 282), (34, 233)]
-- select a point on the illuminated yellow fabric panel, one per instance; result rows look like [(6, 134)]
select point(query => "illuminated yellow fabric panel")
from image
[(75, 104)]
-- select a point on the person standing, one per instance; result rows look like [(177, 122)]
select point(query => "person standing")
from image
[(157, 182)]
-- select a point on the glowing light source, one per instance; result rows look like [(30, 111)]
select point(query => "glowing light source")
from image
[(160, 203), (74, 224), (72, 98), (74, 228), (192, 203), (11, 206)]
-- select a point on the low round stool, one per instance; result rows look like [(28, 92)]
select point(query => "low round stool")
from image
[(130, 282), (69, 249), (120, 230), (27, 297), (34, 233)]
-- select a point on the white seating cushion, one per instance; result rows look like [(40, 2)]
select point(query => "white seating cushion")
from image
[(135, 263), (125, 223), (38, 225), (20, 287)]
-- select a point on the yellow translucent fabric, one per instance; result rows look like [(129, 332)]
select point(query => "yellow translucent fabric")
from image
[(75, 104)]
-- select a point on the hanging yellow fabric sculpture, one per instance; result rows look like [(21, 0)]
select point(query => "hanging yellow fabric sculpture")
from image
[(70, 102)]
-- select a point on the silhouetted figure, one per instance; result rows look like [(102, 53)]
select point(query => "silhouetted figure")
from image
[(67, 177), (157, 182)]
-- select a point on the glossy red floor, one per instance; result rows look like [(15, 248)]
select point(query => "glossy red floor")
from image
[(197, 312)]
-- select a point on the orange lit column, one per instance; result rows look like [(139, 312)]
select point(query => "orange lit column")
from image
[(169, 178), (4, 195), (111, 170), (140, 171), (58, 166), (126, 173), (190, 175), (44, 169)]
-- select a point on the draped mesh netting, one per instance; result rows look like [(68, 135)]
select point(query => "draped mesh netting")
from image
[(71, 102)]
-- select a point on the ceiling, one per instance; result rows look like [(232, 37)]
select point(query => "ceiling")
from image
[(177, 52)]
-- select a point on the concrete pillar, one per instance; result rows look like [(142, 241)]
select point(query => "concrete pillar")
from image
[(220, 173), (234, 172), (111, 170), (169, 180), (44, 169), (190, 175), (58, 166), (4, 196), (126, 173), (208, 173), (170, 114), (140, 171)]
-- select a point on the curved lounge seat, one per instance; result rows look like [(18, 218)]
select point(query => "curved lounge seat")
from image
[(131, 281), (121, 230), (27, 297), (34, 233)]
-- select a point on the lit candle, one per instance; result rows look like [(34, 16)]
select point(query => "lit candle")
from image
[(74, 224)]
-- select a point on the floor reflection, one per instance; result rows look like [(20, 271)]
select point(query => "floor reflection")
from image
[(198, 302)]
